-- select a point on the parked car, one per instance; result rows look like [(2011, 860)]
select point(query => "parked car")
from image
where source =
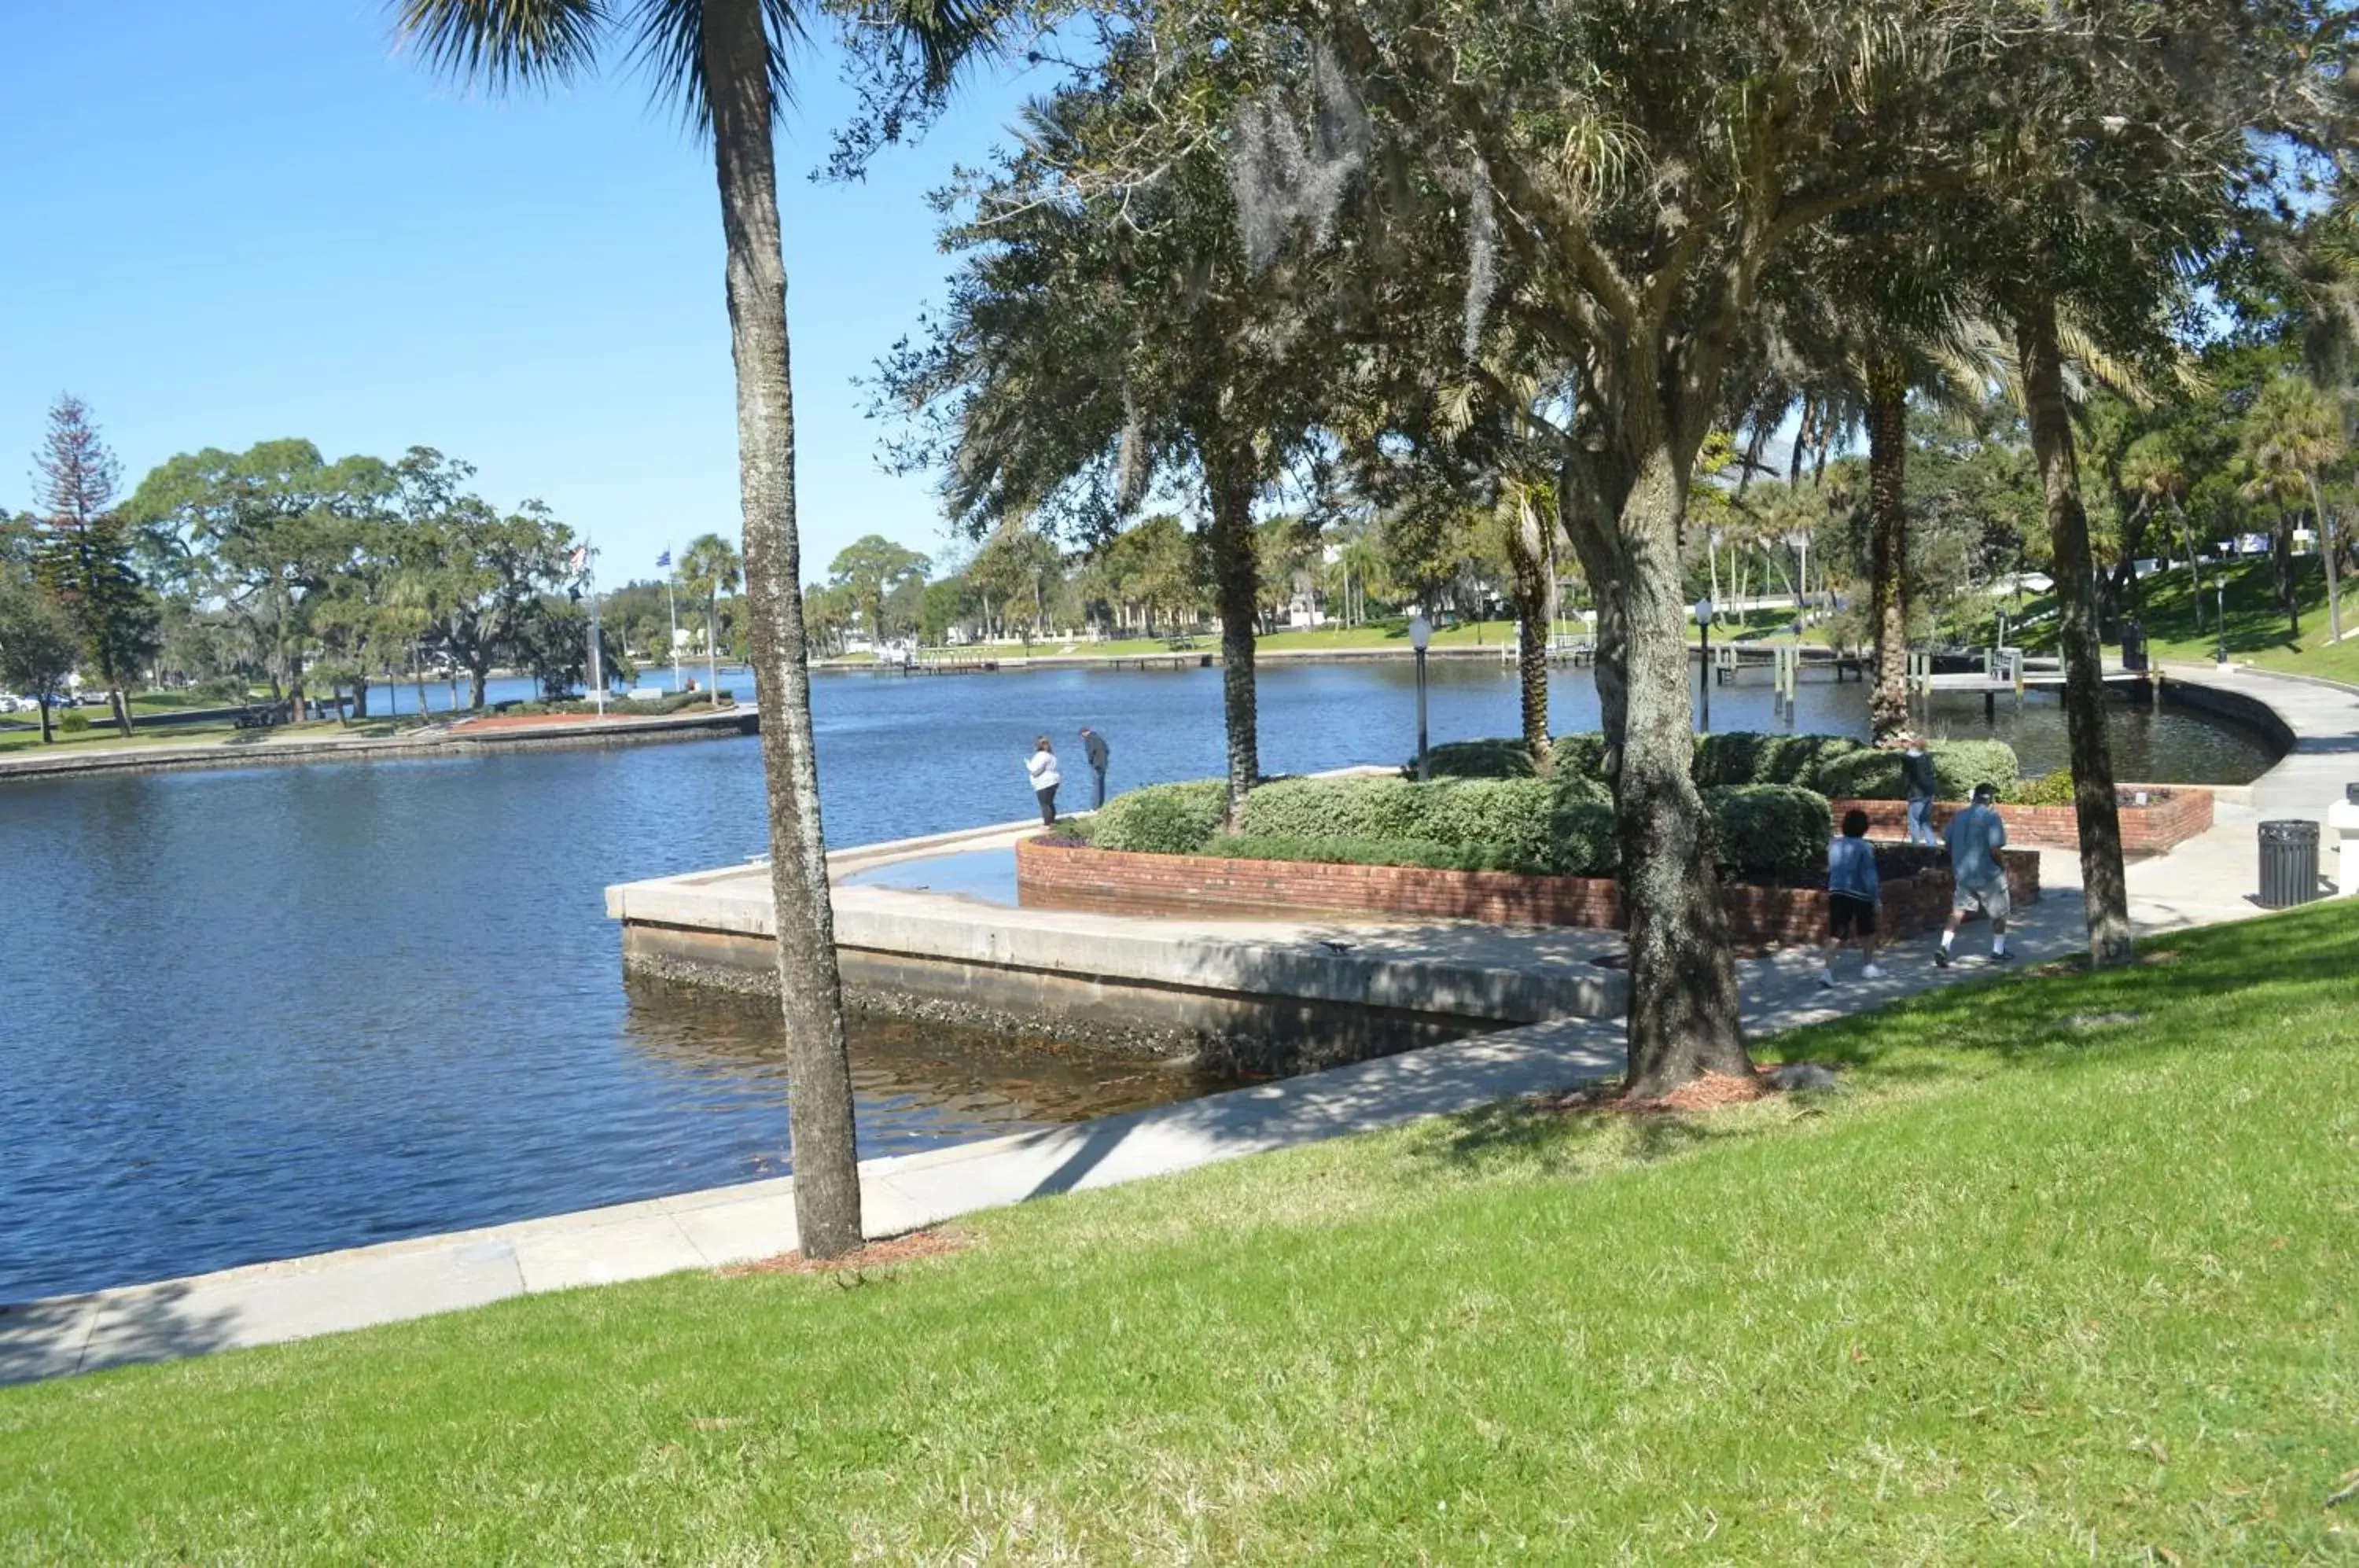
[(10, 703)]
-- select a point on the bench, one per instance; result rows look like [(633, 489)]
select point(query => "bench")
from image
[(261, 715)]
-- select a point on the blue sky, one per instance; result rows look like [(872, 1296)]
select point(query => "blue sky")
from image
[(226, 224)]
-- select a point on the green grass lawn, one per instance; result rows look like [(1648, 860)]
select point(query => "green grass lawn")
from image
[(102, 734), (2258, 629), (2070, 1274)]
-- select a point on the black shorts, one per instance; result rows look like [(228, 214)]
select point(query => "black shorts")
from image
[(1850, 915)]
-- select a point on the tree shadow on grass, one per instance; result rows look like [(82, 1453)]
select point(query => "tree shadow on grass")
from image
[(64, 1336)]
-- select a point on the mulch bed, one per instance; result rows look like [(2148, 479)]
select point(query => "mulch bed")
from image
[(875, 1255), (1712, 1091)]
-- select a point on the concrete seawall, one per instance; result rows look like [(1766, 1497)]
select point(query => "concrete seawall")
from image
[(429, 742)]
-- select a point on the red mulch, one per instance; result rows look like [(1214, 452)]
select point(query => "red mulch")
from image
[(1712, 1092), (875, 1255)]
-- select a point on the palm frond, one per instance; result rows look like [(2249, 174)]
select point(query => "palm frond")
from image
[(505, 44), (670, 48)]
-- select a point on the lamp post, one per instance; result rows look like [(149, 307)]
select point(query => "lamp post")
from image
[(2221, 617), (1420, 634), (1704, 619)]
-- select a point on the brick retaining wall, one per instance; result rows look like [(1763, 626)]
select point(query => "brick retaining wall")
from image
[(1758, 915), (2171, 817)]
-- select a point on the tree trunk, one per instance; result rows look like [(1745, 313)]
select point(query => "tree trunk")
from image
[(49, 737), (478, 685), (2287, 585), (120, 701), (1236, 579), (1528, 556), (2105, 891), (1888, 460), (360, 698), (819, 1071), (1683, 1020), (712, 630), (2326, 547), (1586, 512)]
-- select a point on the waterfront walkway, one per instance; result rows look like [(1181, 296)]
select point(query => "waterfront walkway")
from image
[(2207, 880)]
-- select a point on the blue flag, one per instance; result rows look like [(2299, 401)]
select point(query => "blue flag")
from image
[(664, 560)]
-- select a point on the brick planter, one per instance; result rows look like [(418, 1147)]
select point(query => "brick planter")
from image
[(1071, 876), (2171, 816)]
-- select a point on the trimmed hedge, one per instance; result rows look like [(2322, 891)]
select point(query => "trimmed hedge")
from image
[(1958, 767), (1475, 759), (1561, 827), (1777, 830), (1424, 854), (2049, 789), (1162, 819), (1746, 757), (1579, 756)]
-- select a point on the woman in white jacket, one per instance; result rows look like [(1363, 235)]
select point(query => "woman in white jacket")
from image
[(1042, 766)]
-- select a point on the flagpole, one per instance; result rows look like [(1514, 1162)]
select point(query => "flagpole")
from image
[(597, 665), (671, 604)]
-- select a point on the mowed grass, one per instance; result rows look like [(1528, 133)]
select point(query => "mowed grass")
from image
[(2178, 627), (2070, 1273)]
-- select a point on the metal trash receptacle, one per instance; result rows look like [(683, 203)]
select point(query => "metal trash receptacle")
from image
[(2288, 863)]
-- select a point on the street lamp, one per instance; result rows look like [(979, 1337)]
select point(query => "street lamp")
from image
[(2221, 617), (1801, 543), (1704, 619), (1420, 634)]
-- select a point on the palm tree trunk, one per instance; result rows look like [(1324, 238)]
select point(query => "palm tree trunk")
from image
[(712, 627), (1236, 581), (1527, 553), (1684, 1019), (2104, 890), (1887, 472), (2326, 547), (819, 1070)]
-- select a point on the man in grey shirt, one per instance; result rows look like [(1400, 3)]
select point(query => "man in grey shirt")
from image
[(1093, 747), (1976, 835)]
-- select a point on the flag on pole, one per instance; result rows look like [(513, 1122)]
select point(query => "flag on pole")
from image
[(578, 560), (664, 560)]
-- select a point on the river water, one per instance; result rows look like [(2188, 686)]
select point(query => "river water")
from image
[(257, 1013)]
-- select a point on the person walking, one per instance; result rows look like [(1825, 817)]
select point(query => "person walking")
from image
[(1853, 891), (1042, 766), (1976, 835), (1917, 774), (1093, 747)]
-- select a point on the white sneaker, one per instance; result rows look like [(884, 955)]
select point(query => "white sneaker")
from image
[(1826, 980), (1872, 971)]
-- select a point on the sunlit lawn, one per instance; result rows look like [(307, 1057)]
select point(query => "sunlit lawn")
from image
[(2259, 631), (101, 735), (2069, 1274)]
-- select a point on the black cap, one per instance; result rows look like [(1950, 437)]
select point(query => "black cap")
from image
[(1984, 793)]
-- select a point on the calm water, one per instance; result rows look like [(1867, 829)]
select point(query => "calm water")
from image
[(258, 1013)]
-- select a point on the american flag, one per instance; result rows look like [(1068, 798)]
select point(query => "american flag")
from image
[(664, 560), (578, 560)]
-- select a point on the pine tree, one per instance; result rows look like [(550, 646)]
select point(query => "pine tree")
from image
[(82, 554)]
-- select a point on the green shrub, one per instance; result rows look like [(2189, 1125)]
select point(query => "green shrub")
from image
[(73, 721), (1475, 759), (1578, 756), (1958, 767), (1379, 809), (1749, 758), (2049, 789), (1585, 842), (1777, 830), (1422, 852), (1163, 819)]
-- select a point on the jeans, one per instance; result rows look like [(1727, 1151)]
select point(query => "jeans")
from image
[(1100, 774), (1920, 822), (1047, 806)]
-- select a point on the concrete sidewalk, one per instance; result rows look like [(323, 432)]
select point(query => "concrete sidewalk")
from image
[(2207, 880)]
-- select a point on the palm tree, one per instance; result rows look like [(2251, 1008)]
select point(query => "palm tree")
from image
[(711, 566), (725, 60), (2291, 432)]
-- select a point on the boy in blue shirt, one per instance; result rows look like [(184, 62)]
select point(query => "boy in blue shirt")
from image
[(1852, 893), (1976, 835)]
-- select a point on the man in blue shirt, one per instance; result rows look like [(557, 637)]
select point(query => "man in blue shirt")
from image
[(1976, 835), (1853, 892)]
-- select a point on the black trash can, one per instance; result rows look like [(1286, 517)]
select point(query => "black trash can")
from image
[(2133, 646), (2288, 863)]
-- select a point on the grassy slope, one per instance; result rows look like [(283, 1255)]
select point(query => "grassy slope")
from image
[(2049, 1283), (2257, 630), (102, 735)]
